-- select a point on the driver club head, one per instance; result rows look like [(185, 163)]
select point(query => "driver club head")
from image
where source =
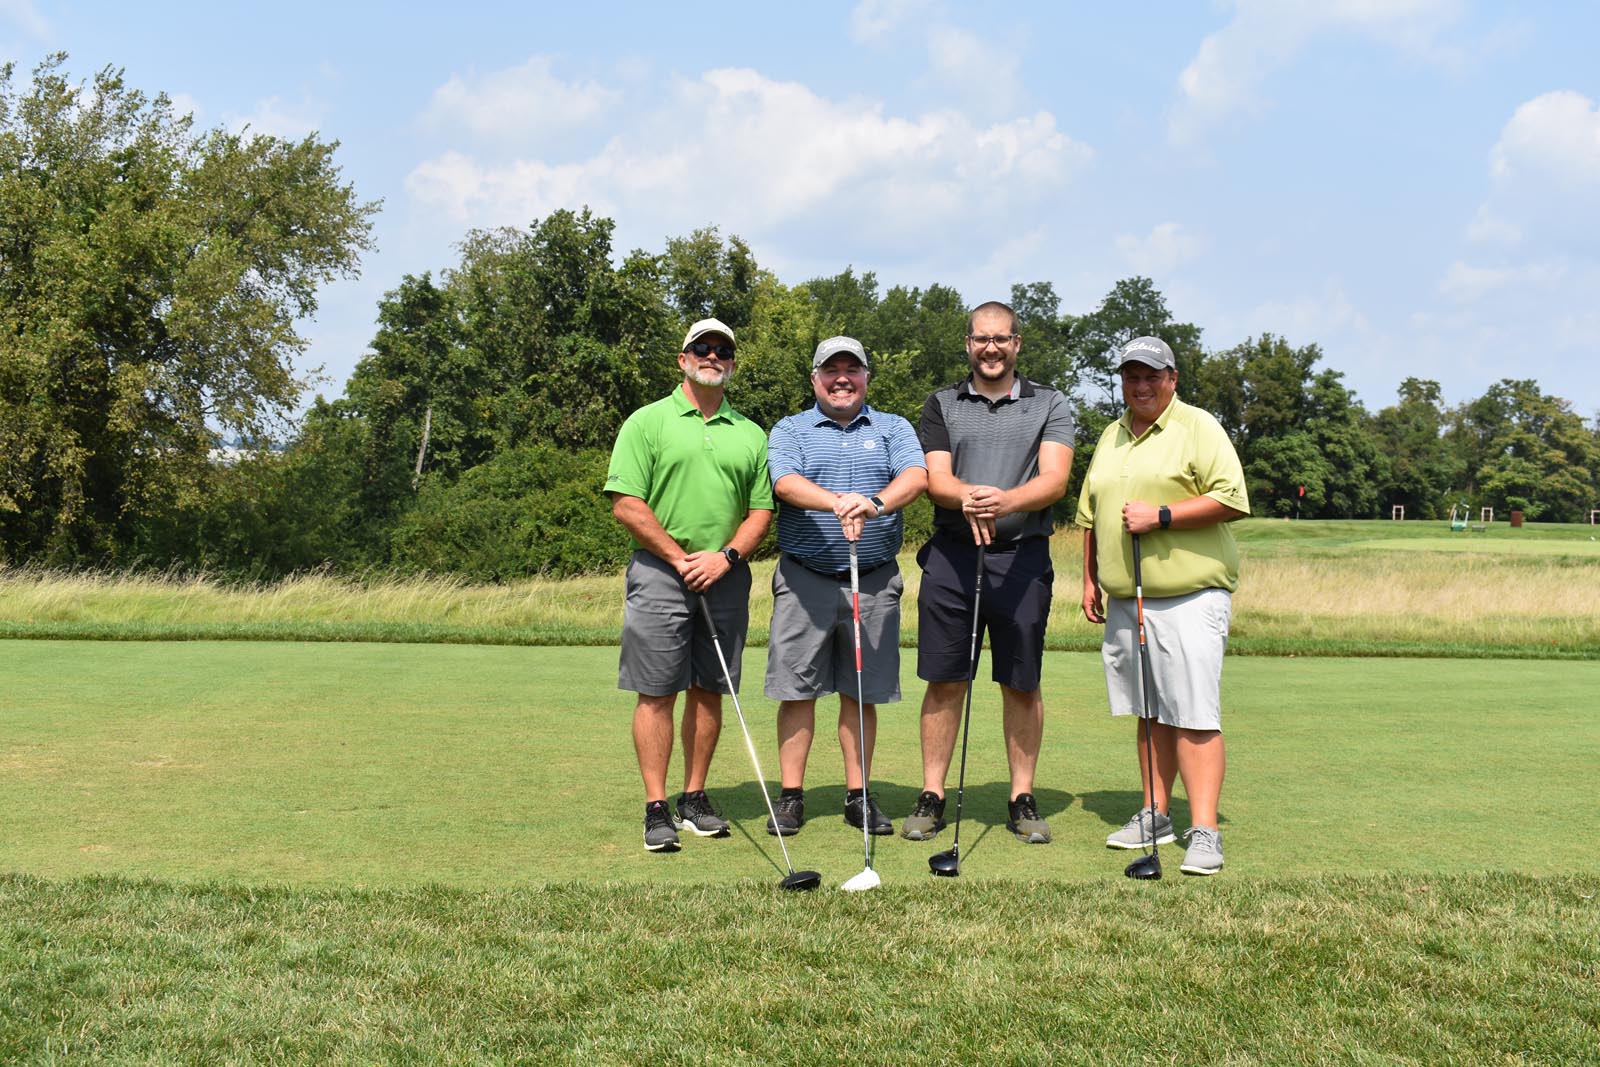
[(945, 864), (1145, 867), (867, 879), (802, 881)]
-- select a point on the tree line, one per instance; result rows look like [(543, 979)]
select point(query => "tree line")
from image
[(151, 277)]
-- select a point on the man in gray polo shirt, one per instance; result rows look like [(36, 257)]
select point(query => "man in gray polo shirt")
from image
[(841, 472), (999, 451)]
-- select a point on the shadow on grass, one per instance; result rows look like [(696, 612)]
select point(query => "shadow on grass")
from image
[(983, 809), (1116, 806)]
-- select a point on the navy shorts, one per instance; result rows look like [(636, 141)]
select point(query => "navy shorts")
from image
[(1014, 609)]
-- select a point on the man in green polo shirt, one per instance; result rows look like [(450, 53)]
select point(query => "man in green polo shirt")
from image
[(688, 479), (1167, 472)]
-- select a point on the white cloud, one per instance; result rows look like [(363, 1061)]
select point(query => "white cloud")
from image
[(1556, 136), (1544, 178), (874, 21), (25, 16), (1166, 246), (184, 104), (515, 103), (276, 118), (1465, 283), (1225, 78), (783, 157), (1309, 317)]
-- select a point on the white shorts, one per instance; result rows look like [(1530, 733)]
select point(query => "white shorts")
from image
[(1185, 638)]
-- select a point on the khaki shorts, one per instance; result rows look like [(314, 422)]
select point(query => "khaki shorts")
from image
[(1185, 638), (812, 651)]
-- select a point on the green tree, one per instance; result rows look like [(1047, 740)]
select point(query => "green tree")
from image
[(573, 343), (1133, 308), (1528, 451), (1423, 473), (1298, 427), (150, 282)]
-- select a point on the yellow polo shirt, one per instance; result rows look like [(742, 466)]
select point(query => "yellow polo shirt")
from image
[(1184, 454)]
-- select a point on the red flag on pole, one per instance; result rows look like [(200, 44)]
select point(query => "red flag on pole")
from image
[(1302, 490)]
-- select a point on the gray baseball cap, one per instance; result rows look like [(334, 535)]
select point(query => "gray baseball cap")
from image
[(833, 346), (1151, 351)]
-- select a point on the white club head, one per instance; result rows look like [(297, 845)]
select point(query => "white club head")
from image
[(867, 879)]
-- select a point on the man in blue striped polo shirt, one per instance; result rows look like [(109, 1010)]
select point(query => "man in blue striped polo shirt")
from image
[(841, 472)]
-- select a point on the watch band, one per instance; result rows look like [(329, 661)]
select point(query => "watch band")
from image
[(877, 502), (1166, 516)]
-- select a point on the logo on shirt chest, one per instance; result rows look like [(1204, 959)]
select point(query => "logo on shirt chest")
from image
[(869, 444)]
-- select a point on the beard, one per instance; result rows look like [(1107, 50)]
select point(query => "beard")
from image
[(710, 376)]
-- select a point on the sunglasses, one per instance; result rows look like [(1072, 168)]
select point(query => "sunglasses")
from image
[(701, 348)]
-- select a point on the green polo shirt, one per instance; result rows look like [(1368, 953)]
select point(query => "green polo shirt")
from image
[(701, 477), (1184, 454)]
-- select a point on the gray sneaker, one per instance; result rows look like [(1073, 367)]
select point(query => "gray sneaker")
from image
[(1205, 851), (659, 836), (926, 819), (1135, 833), (696, 815), (1026, 822)]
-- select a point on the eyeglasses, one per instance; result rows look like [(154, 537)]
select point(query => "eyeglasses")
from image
[(722, 352), (999, 340)]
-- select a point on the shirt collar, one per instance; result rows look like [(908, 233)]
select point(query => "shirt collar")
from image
[(681, 401), (1020, 387), (1161, 419), (864, 415)]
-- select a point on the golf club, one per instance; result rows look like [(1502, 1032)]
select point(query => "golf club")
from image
[(868, 878), (798, 880), (948, 864), (1145, 867)]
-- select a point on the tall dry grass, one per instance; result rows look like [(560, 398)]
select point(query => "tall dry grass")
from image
[(1409, 596)]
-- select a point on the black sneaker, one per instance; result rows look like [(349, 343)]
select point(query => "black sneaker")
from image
[(791, 813), (659, 836), (878, 823), (696, 815), (926, 819), (1025, 821)]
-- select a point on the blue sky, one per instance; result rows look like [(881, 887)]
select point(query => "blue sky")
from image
[(1414, 185)]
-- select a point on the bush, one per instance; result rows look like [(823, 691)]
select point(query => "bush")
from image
[(535, 509)]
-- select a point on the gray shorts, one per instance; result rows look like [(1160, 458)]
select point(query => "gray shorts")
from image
[(1185, 638), (812, 651), (665, 646)]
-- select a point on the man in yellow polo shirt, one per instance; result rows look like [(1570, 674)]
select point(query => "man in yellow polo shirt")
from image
[(688, 479), (1167, 472)]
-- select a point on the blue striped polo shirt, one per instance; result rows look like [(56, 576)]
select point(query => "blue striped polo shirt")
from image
[(862, 457)]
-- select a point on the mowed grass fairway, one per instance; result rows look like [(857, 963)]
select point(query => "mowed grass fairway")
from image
[(313, 850), (383, 765)]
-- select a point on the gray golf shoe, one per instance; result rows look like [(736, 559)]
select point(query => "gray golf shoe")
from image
[(926, 819), (1025, 821), (1135, 833), (790, 811), (696, 815), (659, 836), (1205, 851)]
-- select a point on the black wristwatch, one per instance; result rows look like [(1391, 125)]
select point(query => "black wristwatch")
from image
[(1166, 516), (877, 502), (732, 555)]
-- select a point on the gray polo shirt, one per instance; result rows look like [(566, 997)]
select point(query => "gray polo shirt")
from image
[(995, 443)]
